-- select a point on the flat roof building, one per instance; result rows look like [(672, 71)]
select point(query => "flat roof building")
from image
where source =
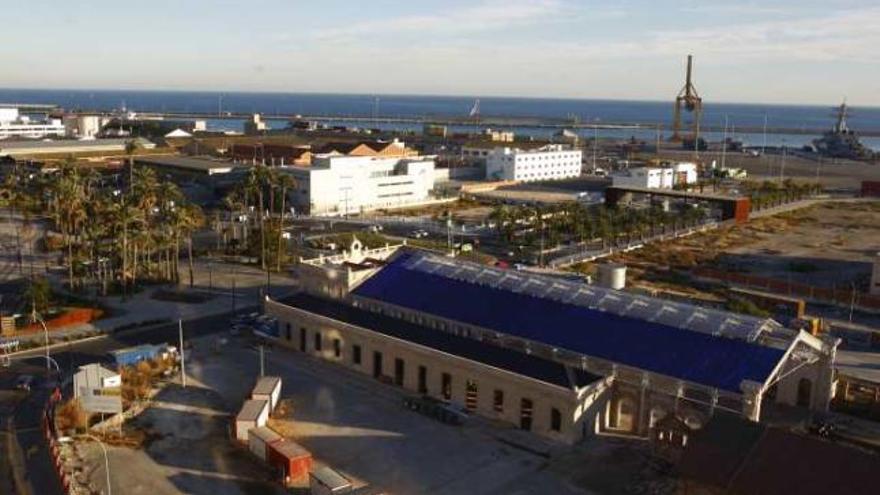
[(187, 165), (13, 124), (19, 149), (340, 185), (550, 162), (92, 377)]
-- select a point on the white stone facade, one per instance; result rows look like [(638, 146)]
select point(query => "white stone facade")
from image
[(340, 185), (373, 353)]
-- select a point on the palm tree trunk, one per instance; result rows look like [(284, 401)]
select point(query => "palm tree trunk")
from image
[(69, 259), (176, 260), (281, 226), (124, 250), (189, 248), (134, 268), (262, 230)]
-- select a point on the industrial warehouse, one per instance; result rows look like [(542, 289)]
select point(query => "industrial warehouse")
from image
[(561, 359)]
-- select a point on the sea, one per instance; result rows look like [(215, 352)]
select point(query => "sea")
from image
[(648, 113)]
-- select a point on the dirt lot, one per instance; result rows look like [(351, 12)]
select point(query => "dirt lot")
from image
[(825, 245), (835, 174), (186, 450), (359, 427)]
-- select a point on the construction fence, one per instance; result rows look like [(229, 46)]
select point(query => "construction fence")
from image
[(840, 296)]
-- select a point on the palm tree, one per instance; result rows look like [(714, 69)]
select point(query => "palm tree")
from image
[(130, 147), (284, 182), (69, 214), (191, 218)]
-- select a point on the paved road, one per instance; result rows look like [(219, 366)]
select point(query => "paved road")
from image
[(40, 470)]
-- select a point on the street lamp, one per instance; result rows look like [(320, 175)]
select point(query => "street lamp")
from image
[(39, 318), (106, 460)]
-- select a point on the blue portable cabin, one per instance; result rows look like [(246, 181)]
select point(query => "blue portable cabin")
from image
[(131, 356)]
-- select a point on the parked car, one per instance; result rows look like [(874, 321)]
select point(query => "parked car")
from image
[(439, 410), (418, 234), (25, 382), (374, 228)]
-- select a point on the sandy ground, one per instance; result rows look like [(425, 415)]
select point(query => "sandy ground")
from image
[(835, 174), (825, 245), (187, 450), (359, 427)]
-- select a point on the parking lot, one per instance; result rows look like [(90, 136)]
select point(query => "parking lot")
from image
[(361, 428)]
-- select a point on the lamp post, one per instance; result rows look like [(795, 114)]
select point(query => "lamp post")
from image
[(39, 318), (106, 460)]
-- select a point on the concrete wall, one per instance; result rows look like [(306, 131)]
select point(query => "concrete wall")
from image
[(577, 409)]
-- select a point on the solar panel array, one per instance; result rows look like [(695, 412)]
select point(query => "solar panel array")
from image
[(675, 314), (554, 314)]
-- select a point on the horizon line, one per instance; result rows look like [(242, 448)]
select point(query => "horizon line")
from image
[(422, 95)]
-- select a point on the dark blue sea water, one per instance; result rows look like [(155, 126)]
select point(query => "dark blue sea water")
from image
[(602, 111)]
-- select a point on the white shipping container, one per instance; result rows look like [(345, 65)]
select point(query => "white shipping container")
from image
[(253, 414), (268, 388), (259, 439), (325, 481)]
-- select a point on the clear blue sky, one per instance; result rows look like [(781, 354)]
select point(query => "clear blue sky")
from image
[(792, 51)]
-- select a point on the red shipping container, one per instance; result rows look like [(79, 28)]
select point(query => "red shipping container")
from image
[(291, 459), (870, 188)]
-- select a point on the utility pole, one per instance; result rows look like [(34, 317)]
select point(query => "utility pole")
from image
[(262, 361), (182, 355), (541, 261), (724, 145), (596, 145), (852, 301), (764, 144), (233, 292), (268, 282), (782, 164)]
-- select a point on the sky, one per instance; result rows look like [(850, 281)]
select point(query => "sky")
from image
[(786, 51)]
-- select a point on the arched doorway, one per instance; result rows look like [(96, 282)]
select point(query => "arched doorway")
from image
[(804, 392), (657, 413), (622, 414)]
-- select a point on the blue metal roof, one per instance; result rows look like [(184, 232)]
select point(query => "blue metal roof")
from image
[(474, 350), (696, 357)]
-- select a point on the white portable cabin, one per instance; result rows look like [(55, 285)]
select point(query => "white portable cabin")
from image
[(253, 414), (260, 438), (268, 388), (325, 481)]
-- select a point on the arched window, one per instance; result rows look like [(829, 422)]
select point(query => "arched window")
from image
[(623, 414)]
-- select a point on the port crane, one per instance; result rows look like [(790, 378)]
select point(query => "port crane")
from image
[(689, 100)]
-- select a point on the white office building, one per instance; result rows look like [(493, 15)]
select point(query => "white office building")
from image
[(551, 162), (644, 177), (13, 124), (340, 185), (677, 174)]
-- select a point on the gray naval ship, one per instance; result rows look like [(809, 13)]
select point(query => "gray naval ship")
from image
[(843, 142)]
